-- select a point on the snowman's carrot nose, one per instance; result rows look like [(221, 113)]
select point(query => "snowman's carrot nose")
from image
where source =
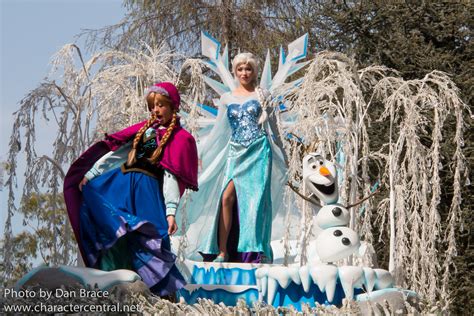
[(324, 171)]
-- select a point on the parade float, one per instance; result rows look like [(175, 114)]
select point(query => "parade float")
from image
[(322, 243), (320, 280), (325, 275)]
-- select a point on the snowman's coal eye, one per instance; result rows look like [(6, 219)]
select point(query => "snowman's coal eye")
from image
[(313, 166), (337, 211), (346, 241), (321, 162), (337, 233)]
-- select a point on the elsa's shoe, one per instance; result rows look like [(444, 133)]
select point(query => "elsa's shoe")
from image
[(224, 258)]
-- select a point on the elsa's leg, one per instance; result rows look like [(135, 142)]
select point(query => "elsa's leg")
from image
[(225, 217)]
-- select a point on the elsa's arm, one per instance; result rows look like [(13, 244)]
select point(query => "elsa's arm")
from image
[(273, 122), (273, 130)]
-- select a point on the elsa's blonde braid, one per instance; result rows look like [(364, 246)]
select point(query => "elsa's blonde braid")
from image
[(156, 154), (132, 155)]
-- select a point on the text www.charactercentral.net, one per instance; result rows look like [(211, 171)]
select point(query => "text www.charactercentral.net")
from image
[(56, 301)]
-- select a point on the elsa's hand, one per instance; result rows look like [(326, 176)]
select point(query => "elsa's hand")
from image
[(263, 99), (262, 118)]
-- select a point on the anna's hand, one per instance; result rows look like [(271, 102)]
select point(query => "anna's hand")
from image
[(172, 226), (82, 183)]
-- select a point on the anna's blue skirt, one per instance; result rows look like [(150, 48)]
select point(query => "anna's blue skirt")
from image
[(123, 226)]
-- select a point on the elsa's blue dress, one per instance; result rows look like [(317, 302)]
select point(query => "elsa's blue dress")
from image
[(240, 150)]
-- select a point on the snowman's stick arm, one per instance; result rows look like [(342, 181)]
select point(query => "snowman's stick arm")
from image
[(364, 198), (309, 199)]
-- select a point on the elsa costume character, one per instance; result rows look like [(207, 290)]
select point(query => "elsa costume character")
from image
[(244, 148), (246, 160)]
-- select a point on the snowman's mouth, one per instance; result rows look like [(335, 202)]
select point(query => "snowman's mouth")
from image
[(325, 189)]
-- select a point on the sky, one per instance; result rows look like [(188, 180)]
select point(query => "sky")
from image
[(31, 32)]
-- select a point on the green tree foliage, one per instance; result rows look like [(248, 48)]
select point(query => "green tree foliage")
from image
[(412, 37), (48, 237)]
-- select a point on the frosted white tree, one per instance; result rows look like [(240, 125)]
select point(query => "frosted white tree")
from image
[(421, 250)]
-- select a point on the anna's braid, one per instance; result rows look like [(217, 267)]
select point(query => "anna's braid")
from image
[(156, 154), (132, 155)]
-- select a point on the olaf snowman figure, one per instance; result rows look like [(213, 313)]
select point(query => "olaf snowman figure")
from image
[(336, 241)]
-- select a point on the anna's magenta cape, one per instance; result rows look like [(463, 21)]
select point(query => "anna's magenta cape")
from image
[(179, 157)]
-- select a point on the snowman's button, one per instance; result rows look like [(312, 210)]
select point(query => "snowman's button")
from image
[(346, 241)]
